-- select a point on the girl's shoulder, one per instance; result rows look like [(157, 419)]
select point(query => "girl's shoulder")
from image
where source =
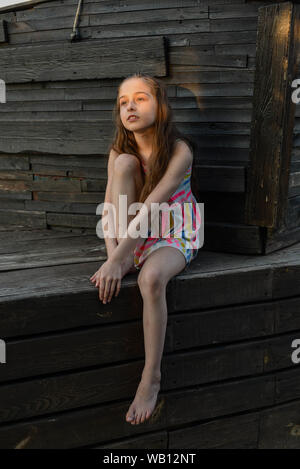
[(186, 142), (189, 146)]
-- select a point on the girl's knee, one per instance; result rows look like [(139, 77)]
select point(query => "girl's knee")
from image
[(126, 163), (150, 281)]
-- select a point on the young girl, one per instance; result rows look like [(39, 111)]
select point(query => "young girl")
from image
[(149, 161)]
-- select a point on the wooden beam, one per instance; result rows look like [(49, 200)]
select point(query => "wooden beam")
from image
[(3, 31), (278, 46), (83, 60)]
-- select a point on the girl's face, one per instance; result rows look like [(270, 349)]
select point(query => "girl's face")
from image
[(135, 98)]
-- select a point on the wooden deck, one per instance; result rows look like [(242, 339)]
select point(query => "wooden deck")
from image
[(73, 364)]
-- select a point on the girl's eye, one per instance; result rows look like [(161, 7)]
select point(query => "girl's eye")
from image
[(124, 102)]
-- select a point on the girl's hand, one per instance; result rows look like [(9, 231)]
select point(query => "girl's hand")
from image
[(108, 278)]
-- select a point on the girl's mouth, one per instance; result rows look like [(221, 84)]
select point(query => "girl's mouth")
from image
[(132, 118)]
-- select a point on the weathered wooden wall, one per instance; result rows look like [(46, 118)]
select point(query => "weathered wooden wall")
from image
[(54, 133)]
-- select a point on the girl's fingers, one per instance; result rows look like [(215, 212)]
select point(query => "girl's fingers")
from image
[(118, 287), (107, 289), (101, 289), (112, 289)]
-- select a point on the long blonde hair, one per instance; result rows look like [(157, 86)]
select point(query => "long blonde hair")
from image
[(165, 134)]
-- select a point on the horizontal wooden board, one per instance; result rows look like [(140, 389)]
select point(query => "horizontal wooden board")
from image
[(185, 369), (260, 270), (82, 60), (82, 427), (3, 31)]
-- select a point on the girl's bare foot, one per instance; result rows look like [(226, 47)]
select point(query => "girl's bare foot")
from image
[(144, 402)]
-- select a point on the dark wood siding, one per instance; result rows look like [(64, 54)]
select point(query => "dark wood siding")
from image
[(58, 131), (73, 363)]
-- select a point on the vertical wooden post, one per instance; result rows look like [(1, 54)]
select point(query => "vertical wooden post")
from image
[(277, 58)]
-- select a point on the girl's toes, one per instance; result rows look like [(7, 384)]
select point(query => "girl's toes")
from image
[(143, 418), (130, 416)]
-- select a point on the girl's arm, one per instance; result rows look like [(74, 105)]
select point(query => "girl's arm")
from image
[(177, 167), (110, 243)]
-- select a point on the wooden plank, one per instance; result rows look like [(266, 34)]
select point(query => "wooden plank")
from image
[(57, 254), (12, 204), (23, 316), (191, 55), (153, 15), (49, 63), (34, 218), (18, 107), (155, 440), (237, 118), (235, 11), (69, 197), (11, 162), (89, 173), (65, 22), (288, 386), (221, 178), (3, 31), (35, 244), (71, 162), (272, 428), (278, 239), (238, 432), (81, 427), (227, 207), (15, 195), (270, 149), (182, 370), (208, 266), (279, 428), (16, 175), (292, 216), (43, 183), (235, 24), (31, 234), (239, 239), (222, 90), (58, 145), (286, 280), (72, 220), (294, 184)]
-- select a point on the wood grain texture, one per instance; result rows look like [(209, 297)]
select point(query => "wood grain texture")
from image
[(85, 60), (273, 115), (65, 349)]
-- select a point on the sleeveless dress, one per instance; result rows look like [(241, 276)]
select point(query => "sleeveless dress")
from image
[(185, 218)]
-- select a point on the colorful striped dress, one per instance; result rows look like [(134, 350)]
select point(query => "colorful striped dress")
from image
[(185, 218)]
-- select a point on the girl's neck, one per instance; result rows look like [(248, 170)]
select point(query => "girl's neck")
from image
[(144, 144)]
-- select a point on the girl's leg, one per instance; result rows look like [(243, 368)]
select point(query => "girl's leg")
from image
[(161, 265), (127, 179)]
